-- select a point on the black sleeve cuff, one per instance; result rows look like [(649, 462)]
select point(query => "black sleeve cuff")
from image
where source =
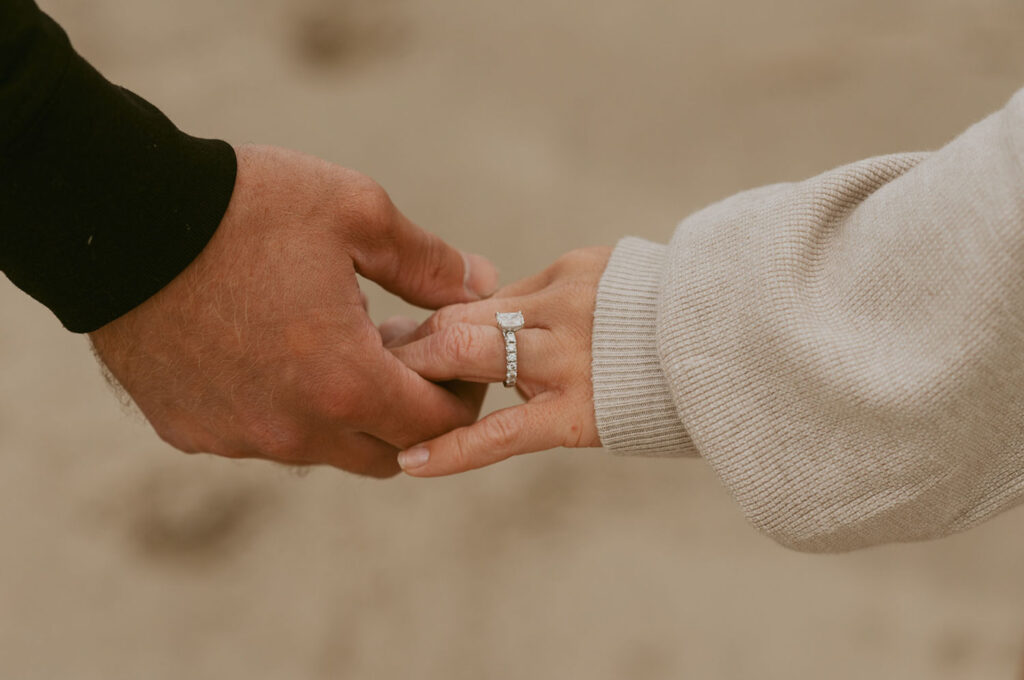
[(103, 201)]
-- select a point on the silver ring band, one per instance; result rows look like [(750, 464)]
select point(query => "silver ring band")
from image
[(508, 324), (511, 360)]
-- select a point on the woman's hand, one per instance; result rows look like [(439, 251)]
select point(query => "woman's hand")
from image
[(462, 342)]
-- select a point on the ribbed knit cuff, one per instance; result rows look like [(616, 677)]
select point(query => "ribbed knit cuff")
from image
[(632, 401)]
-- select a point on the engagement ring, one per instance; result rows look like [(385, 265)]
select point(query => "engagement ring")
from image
[(508, 324)]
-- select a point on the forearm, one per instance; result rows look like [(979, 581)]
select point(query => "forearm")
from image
[(103, 200), (846, 352)]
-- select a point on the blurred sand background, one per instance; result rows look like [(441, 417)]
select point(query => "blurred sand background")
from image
[(519, 130)]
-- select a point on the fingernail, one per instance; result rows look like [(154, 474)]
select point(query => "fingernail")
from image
[(413, 458), (480, 277)]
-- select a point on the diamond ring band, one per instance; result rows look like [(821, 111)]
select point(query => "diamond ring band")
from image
[(508, 324)]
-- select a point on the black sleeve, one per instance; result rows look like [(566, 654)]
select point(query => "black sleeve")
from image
[(102, 199)]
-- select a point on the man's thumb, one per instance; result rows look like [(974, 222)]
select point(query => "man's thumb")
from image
[(420, 267)]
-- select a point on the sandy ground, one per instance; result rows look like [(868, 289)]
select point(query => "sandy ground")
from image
[(519, 130)]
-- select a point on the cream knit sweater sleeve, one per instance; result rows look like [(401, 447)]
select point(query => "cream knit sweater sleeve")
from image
[(846, 352)]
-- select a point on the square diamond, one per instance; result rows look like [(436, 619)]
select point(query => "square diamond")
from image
[(510, 321)]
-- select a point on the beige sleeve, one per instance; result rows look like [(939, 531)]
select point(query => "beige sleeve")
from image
[(846, 352)]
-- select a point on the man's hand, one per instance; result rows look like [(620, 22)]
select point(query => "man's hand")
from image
[(262, 346)]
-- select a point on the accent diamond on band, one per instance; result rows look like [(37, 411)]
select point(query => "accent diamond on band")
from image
[(508, 324)]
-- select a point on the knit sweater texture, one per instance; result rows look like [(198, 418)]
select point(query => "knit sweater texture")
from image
[(846, 352)]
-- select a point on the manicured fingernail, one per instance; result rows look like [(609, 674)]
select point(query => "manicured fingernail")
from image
[(480, 277), (413, 458)]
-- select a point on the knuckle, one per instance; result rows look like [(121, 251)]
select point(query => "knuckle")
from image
[(567, 262), (176, 438), (502, 432), (591, 255), (581, 259), (277, 440), (433, 323), (364, 207), (371, 202), (445, 318), (323, 390), (459, 342), (334, 402), (347, 398), (572, 257), (232, 451), (461, 455), (431, 268)]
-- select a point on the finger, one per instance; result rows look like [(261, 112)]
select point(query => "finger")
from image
[(520, 429), (418, 265), (537, 313), (355, 452), (527, 286), (472, 394), (405, 408), (394, 329), (474, 353), (365, 455)]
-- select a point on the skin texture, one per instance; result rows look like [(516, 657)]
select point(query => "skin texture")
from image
[(462, 342), (263, 348)]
